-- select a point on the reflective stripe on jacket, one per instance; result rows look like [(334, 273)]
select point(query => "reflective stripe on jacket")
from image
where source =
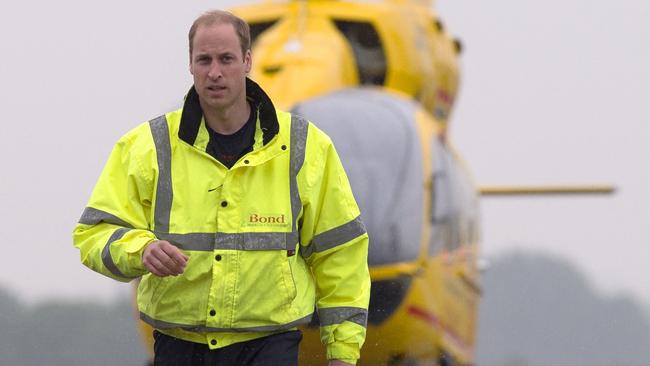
[(263, 238)]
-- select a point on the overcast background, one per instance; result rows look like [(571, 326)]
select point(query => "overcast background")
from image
[(553, 92)]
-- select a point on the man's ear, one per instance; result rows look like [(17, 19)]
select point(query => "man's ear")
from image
[(248, 60)]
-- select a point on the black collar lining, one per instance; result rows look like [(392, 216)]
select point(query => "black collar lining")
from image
[(192, 114)]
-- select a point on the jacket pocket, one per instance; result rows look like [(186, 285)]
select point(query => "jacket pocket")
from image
[(265, 290), (149, 292), (289, 279)]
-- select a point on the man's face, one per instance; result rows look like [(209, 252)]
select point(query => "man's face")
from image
[(218, 66)]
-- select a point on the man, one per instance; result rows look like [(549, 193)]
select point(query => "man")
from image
[(238, 217)]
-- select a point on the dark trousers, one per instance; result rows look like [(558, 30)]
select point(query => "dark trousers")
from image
[(275, 350)]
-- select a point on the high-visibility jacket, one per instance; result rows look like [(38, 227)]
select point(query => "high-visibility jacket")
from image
[(267, 240)]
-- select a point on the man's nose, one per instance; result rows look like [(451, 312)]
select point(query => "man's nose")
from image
[(215, 71)]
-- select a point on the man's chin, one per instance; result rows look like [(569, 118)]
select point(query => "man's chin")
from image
[(214, 102)]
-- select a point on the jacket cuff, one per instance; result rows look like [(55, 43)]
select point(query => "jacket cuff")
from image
[(134, 252), (346, 352)]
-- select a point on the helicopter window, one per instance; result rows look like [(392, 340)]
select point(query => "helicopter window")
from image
[(385, 171), (454, 210), (442, 201), (258, 28), (368, 51)]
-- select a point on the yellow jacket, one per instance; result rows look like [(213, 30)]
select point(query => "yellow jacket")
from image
[(267, 240)]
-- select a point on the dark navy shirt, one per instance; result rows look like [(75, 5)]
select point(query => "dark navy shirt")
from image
[(229, 148)]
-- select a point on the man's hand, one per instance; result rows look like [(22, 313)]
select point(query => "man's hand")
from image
[(338, 363), (162, 259)]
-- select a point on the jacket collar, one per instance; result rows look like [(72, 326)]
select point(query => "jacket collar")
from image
[(193, 114)]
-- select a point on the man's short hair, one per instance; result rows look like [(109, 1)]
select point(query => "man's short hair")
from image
[(223, 17)]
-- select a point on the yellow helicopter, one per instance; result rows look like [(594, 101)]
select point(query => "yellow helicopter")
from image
[(381, 79)]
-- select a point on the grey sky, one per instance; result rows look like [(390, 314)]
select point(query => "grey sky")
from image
[(559, 92), (553, 92)]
